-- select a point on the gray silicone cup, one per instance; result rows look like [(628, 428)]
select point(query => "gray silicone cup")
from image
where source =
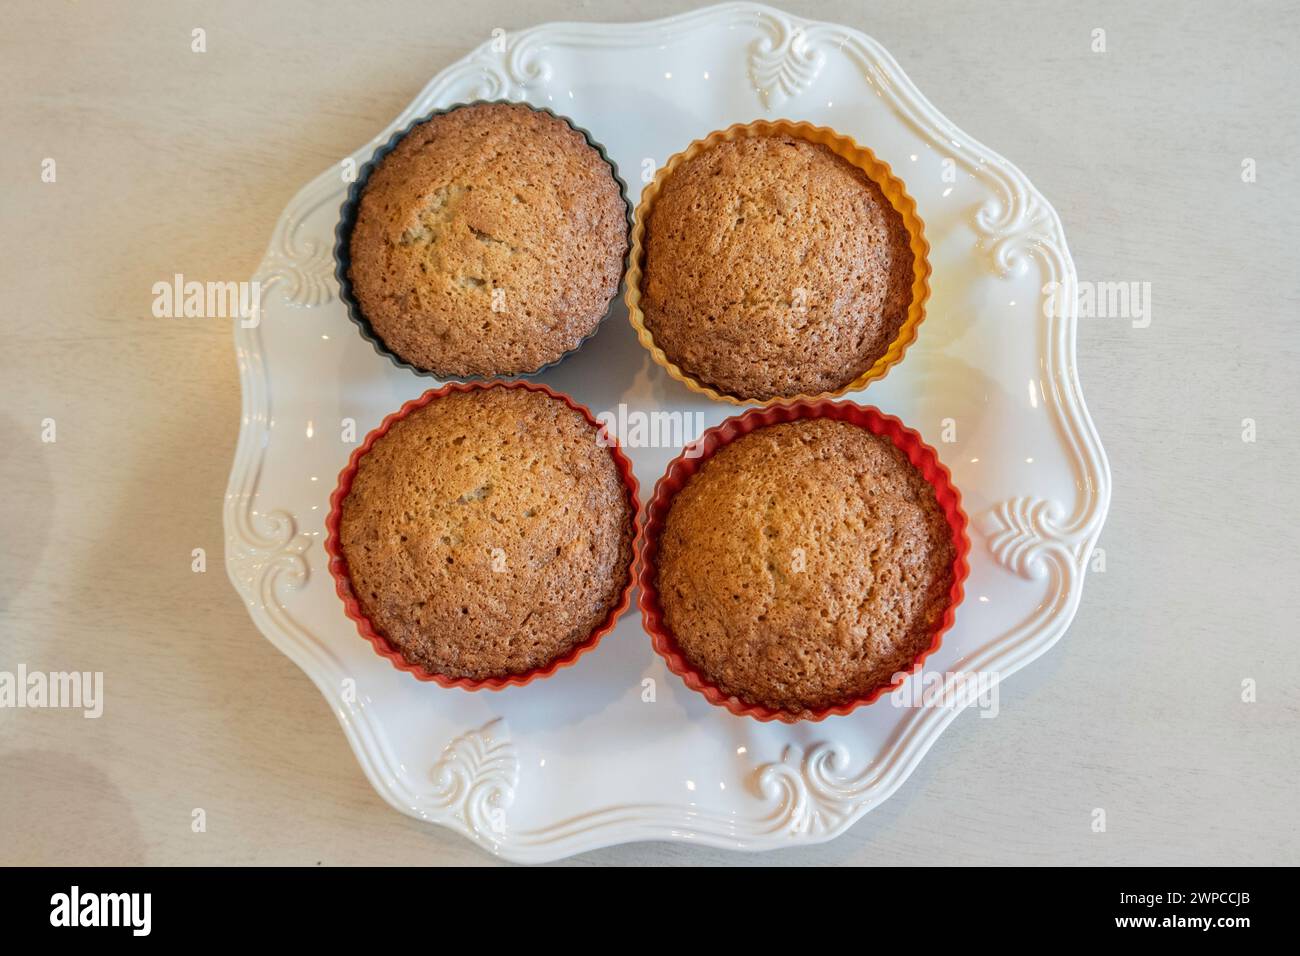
[(348, 219)]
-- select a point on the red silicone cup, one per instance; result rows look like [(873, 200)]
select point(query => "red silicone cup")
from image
[(679, 472), (338, 566)]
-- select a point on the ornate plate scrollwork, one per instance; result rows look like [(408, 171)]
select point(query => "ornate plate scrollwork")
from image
[(301, 268), (475, 780), (783, 62)]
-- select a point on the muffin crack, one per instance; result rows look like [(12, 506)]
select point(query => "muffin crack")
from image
[(491, 240)]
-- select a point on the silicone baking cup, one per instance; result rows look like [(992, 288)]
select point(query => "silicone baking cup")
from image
[(338, 567), (348, 219), (921, 455), (876, 169)]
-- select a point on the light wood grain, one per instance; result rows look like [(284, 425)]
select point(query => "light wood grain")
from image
[(174, 162)]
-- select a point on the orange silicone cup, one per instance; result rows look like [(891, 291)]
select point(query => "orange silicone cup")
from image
[(338, 567), (843, 146), (921, 455)]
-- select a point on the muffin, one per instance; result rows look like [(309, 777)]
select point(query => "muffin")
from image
[(488, 241), (771, 266), (487, 533), (804, 565)]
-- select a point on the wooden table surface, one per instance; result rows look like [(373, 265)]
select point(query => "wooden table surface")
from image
[(171, 162)]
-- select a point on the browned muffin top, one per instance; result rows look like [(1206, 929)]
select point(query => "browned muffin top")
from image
[(488, 242), (773, 267), (804, 564), (488, 533)]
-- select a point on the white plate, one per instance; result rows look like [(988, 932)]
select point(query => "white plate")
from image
[(580, 760)]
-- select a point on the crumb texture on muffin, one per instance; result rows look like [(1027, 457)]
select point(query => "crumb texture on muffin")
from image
[(490, 241), (488, 533), (804, 565), (773, 267)]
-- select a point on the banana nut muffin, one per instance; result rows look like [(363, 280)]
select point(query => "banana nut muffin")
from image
[(774, 267), (804, 565), (490, 241), (488, 533)]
